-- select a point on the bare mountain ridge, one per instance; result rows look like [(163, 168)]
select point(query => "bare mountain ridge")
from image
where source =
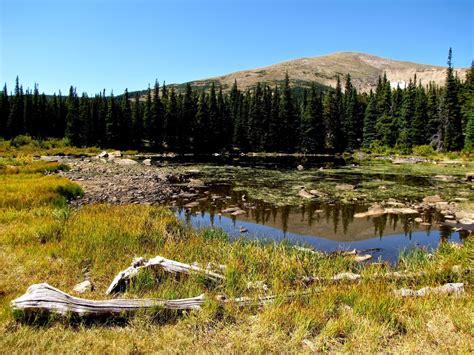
[(364, 69)]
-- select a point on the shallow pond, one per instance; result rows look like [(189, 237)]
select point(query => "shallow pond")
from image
[(267, 190)]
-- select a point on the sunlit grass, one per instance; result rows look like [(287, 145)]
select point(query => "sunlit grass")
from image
[(43, 240)]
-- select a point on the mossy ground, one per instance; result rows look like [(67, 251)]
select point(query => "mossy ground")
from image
[(43, 240)]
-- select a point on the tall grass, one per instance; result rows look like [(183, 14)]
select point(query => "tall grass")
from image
[(43, 240)]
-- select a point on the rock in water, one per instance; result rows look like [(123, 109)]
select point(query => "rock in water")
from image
[(125, 161), (303, 193), (83, 287)]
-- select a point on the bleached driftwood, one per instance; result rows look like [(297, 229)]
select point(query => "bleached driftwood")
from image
[(449, 288), (43, 297), (167, 265)]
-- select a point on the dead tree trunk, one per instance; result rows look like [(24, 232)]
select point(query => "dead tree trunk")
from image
[(44, 297), (167, 265)]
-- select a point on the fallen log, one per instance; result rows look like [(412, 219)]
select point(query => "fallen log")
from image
[(171, 266), (43, 297), (449, 288)]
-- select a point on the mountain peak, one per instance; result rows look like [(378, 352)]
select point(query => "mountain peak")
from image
[(364, 69)]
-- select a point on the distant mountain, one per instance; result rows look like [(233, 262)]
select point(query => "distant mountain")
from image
[(364, 69)]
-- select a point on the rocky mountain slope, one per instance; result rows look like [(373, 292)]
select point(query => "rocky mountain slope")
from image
[(364, 69)]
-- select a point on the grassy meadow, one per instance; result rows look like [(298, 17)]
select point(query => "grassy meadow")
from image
[(42, 239)]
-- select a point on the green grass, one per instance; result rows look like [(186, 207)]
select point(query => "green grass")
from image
[(44, 240)]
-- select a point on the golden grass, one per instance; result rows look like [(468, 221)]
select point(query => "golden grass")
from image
[(43, 240)]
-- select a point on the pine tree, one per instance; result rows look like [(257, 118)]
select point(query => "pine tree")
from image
[(72, 118), (156, 119), (273, 122), (172, 125), (451, 115), (287, 117), (370, 119), (432, 112), (15, 117), (254, 128), (469, 136), (312, 125), (201, 136), (404, 141), (4, 111), (214, 124), (187, 121), (111, 129), (83, 134), (137, 123), (124, 121), (147, 124), (420, 118)]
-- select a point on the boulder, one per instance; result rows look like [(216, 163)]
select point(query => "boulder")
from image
[(345, 187), (300, 167), (405, 210), (433, 199), (103, 154), (83, 287), (305, 194), (125, 161), (418, 220), (317, 193), (147, 162), (116, 154), (196, 183)]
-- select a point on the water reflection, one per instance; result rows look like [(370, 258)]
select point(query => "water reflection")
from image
[(325, 226)]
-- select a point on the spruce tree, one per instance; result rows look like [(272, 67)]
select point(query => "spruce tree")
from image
[(111, 129), (72, 118), (137, 123), (15, 117), (147, 124), (451, 115), (156, 119), (420, 118), (201, 134), (125, 121), (312, 126), (4, 111), (370, 118), (469, 136), (287, 117), (187, 121), (172, 126)]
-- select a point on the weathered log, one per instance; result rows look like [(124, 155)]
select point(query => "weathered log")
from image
[(167, 265), (449, 288), (43, 297)]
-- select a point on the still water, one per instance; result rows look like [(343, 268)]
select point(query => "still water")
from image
[(326, 227)]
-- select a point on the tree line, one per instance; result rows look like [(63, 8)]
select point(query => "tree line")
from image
[(260, 119)]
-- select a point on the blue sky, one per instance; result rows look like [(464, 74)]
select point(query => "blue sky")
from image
[(96, 44)]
